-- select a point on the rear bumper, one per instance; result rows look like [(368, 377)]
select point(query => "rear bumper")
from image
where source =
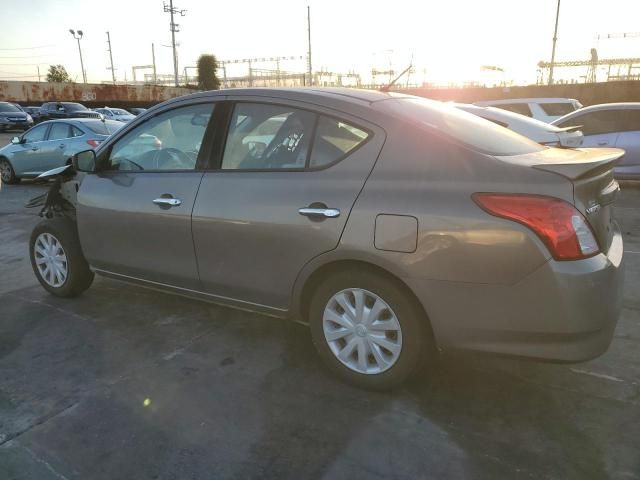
[(564, 311)]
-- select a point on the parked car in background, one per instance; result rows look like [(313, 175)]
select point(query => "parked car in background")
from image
[(34, 112), (12, 117), (51, 144), (367, 215), (117, 114), (543, 109), (55, 110), (611, 125), (137, 111), (536, 130)]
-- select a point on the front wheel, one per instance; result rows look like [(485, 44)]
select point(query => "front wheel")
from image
[(367, 329), (57, 259), (7, 174)]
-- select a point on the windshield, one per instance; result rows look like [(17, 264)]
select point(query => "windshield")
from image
[(103, 128), (7, 107), (74, 107), (118, 112), (475, 132)]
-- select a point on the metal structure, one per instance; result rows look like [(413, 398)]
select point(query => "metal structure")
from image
[(632, 65), (78, 37), (553, 49), (175, 28), (113, 71), (248, 79)]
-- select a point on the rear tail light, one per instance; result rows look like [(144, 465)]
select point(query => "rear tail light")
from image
[(559, 225), (94, 143)]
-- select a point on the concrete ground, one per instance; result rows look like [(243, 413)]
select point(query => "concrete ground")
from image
[(126, 383)]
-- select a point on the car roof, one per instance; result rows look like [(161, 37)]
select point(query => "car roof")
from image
[(527, 100)]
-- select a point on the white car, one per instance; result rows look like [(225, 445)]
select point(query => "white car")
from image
[(569, 137), (543, 109), (117, 114)]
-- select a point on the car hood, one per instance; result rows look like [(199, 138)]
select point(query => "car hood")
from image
[(20, 115)]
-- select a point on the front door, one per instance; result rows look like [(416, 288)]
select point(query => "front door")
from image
[(30, 154), (281, 196), (134, 215)]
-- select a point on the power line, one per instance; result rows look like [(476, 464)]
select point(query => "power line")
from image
[(28, 48)]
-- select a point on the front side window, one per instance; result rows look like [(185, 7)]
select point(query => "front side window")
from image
[(36, 134), (168, 141), (59, 131), (266, 137), (595, 123)]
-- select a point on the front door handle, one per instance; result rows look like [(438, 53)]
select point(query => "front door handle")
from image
[(34, 149), (167, 202), (319, 212), (62, 145), (603, 143)]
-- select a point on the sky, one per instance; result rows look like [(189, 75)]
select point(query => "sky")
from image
[(447, 40)]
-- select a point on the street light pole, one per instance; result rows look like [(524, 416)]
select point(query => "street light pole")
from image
[(78, 36), (553, 50)]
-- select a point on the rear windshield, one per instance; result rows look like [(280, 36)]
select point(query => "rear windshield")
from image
[(475, 132), (74, 107), (557, 109), (103, 128), (7, 107)]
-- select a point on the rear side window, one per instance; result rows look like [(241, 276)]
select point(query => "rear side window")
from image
[(521, 108), (628, 120), (557, 109), (76, 132), (463, 127), (333, 140), (59, 131), (266, 137)]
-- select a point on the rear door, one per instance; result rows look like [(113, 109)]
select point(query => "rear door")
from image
[(281, 195), (629, 137), (134, 216)]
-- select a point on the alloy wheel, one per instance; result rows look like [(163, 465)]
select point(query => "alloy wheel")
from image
[(362, 331)]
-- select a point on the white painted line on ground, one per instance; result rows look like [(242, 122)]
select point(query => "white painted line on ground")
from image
[(597, 375)]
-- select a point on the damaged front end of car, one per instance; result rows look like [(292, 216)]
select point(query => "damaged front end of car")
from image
[(60, 199)]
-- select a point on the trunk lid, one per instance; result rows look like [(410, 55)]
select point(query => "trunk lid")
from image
[(590, 170)]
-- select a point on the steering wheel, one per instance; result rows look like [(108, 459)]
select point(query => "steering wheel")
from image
[(172, 157)]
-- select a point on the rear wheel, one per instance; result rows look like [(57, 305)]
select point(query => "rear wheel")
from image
[(57, 259), (7, 174), (367, 329)]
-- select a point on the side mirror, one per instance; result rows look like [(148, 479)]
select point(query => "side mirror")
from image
[(84, 161), (16, 140)]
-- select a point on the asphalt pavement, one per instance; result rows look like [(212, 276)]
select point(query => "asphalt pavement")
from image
[(127, 383)]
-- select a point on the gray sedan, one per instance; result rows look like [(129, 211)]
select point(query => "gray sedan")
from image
[(393, 226), (50, 145), (611, 125)]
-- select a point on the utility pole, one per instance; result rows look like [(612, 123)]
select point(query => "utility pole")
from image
[(153, 56), (309, 65), (174, 29), (553, 50), (78, 36), (113, 72), (38, 73)]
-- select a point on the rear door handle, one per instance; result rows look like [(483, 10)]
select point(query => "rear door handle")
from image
[(34, 149), (319, 212), (167, 202)]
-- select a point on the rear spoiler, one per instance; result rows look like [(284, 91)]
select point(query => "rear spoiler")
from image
[(570, 163), (580, 162), (569, 129)]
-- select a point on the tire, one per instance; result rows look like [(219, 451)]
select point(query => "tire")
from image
[(49, 236), (7, 174), (382, 369)]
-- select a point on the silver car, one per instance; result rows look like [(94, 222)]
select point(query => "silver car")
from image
[(49, 145), (393, 225), (611, 125)]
